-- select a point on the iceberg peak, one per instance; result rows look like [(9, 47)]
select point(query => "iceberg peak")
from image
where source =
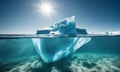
[(64, 26)]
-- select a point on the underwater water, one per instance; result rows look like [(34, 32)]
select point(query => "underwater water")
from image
[(100, 54)]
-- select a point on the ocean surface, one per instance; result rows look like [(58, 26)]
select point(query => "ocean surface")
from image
[(100, 54)]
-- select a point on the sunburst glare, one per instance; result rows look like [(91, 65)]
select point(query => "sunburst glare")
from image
[(46, 8)]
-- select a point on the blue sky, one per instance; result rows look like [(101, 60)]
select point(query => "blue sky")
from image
[(22, 16)]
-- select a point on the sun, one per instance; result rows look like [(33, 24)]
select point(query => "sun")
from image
[(46, 8)]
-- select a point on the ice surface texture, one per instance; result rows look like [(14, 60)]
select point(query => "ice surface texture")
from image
[(65, 26), (53, 49)]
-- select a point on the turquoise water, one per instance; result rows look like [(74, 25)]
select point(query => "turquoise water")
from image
[(100, 54)]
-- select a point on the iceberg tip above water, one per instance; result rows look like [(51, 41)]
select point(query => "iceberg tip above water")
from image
[(64, 26)]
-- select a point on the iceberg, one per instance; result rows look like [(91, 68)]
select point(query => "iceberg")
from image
[(54, 49), (65, 26)]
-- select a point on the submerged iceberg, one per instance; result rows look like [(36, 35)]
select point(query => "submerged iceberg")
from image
[(53, 49)]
